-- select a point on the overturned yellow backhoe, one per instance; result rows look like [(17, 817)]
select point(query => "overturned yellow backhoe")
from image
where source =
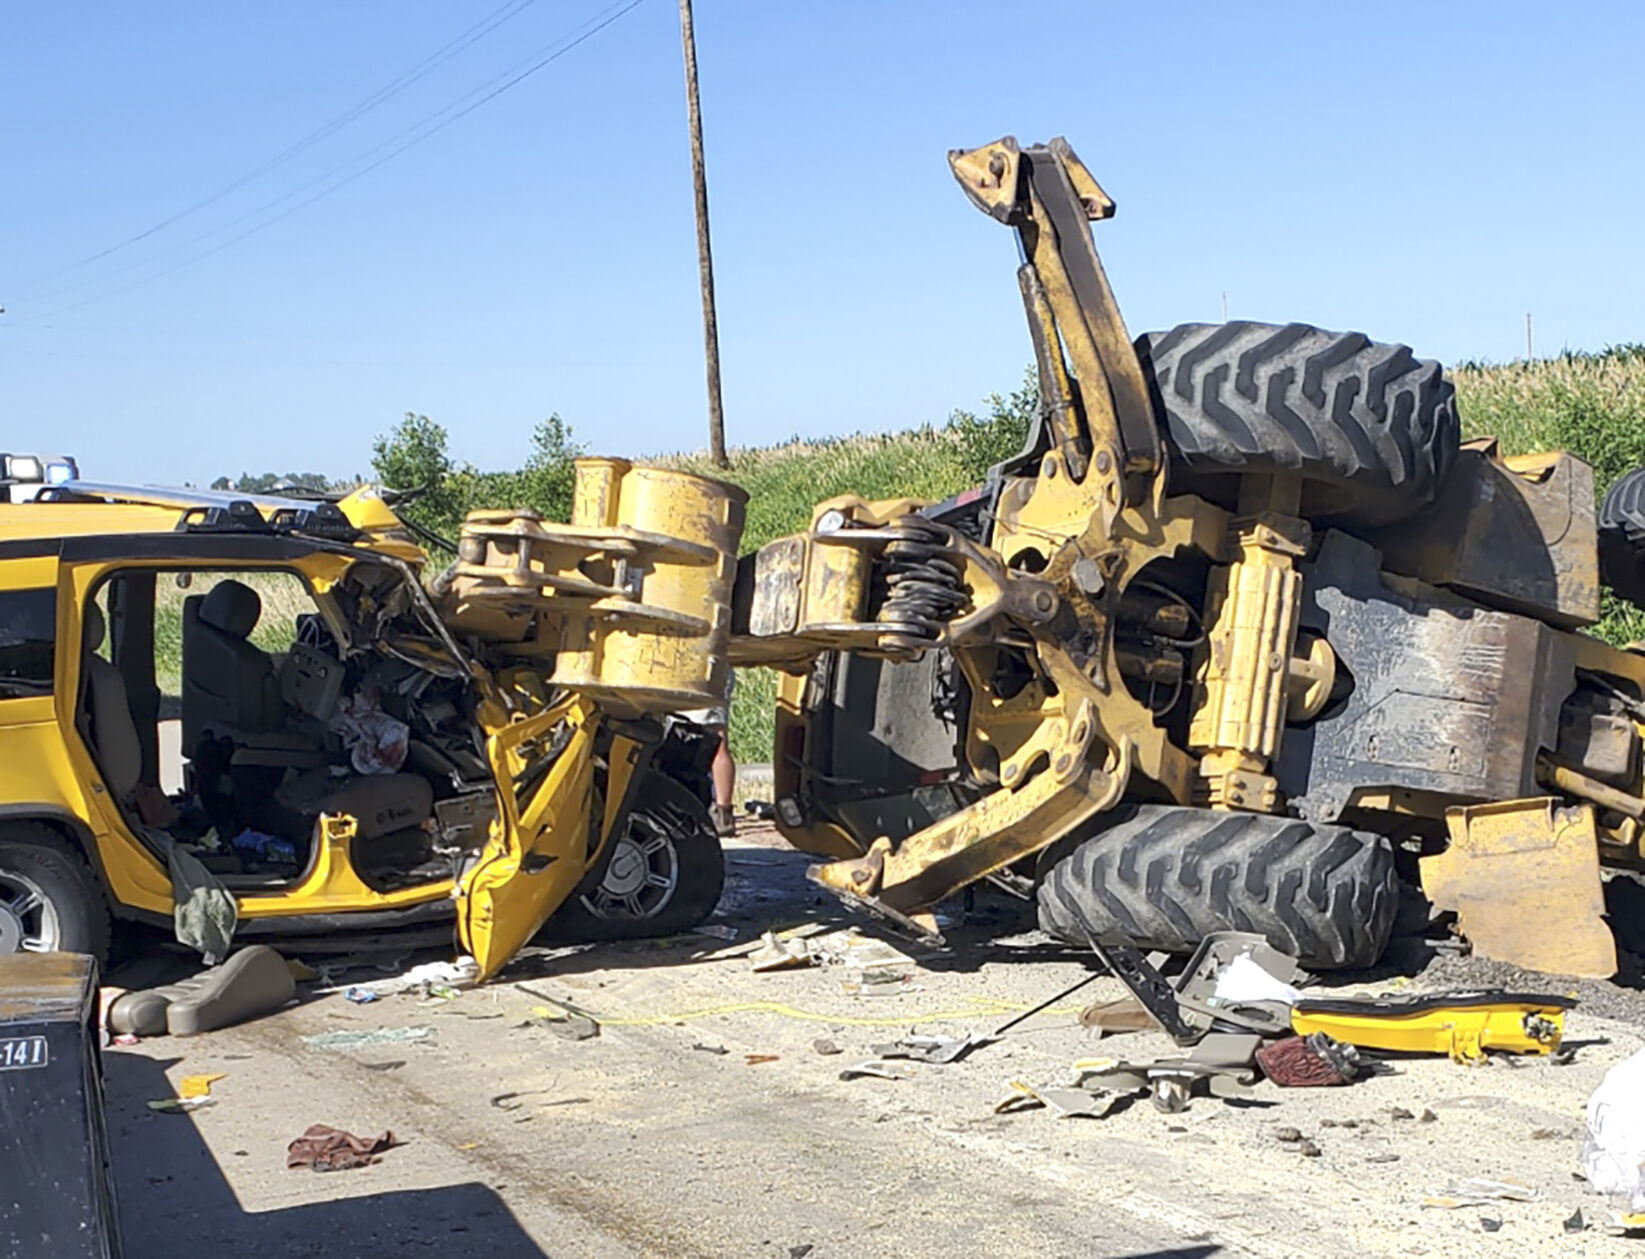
[(1244, 630)]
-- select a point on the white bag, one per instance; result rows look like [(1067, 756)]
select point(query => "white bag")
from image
[(1613, 1156)]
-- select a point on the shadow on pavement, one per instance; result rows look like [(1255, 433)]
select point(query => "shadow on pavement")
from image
[(174, 1199)]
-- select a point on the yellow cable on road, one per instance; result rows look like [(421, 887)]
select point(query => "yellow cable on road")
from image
[(978, 1007)]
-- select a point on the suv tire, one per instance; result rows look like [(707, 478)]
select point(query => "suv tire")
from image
[(49, 897), (669, 838)]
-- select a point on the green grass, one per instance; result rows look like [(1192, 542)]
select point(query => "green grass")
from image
[(1590, 404)]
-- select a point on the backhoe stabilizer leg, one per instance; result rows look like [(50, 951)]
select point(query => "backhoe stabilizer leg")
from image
[(982, 839)]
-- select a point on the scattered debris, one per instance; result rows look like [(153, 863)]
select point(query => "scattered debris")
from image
[(721, 1050), (1307, 1148), (1063, 1102), (180, 1105), (1309, 1061), (1383, 1158), (755, 1060), (199, 1085), (847, 948), (1287, 1134), (1112, 1018), (1574, 1223), (568, 1025), (1427, 1116), (1490, 1223), (513, 1101), (375, 1036), (879, 1070), (936, 1049), (717, 931), (326, 1149), (872, 984), (360, 996), (1477, 1191), (447, 976), (1399, 1112), (825, 1046), (800, 1252)]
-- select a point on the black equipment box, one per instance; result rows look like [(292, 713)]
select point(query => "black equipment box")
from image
[(57, 1186)]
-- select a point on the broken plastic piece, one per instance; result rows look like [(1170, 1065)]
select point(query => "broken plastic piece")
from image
[(1461, 1024), (199, 1085), (256, 980), (936, 1049), (879, 1070), (1064, 1102), (180, 1105), (1479, 1190)]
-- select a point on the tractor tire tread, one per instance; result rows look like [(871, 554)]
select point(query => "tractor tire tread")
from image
[(1164, 877)]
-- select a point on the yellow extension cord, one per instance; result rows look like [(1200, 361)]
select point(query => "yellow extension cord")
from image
[(979, 1007)]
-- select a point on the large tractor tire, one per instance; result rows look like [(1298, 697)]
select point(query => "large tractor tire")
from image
[(1622, 537), (1370, 429), (1164, 877)]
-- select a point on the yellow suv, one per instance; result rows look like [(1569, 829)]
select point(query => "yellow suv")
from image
[(259, 693)]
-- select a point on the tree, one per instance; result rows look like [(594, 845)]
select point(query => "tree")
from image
[(415, 457), (987, 440)]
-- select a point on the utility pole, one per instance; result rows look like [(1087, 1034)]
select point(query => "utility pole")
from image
[(1527, 336), (705, 255)]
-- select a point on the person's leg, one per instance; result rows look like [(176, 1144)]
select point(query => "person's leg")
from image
[(723, 771)]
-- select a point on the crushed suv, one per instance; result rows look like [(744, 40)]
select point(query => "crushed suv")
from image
[(261, 695)]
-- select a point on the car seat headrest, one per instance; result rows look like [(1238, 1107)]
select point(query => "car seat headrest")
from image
[(233, 608)]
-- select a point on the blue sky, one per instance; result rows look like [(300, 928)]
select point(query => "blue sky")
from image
[(1424, 172)]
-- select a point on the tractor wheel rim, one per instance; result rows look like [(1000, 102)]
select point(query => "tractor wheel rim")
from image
[(28, 919), (642, 876)]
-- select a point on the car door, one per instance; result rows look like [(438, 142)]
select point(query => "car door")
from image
[(538, 847)]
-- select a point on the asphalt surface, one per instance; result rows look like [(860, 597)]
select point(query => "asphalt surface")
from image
[(704, 1120)]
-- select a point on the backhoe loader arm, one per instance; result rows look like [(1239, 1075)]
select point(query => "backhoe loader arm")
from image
[(1056, 730), (1098, 412)]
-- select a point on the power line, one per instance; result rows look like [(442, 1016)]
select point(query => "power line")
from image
[(599, 23), (393, 88)]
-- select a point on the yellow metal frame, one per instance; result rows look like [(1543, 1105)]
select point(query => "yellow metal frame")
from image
[(1513, 1024)]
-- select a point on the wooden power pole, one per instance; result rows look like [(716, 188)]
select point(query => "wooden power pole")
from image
[(705, 254)]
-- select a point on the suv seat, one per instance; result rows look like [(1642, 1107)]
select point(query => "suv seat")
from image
[(231, 686), (110, 731)]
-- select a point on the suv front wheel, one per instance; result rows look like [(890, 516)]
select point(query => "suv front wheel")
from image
[(665, 874), (49, 898)]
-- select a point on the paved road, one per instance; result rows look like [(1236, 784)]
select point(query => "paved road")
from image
[(644, 1141)]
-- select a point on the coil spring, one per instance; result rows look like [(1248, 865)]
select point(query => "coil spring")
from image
[(924, 583)]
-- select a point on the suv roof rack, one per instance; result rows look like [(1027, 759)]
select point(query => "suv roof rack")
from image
[(219, 511)]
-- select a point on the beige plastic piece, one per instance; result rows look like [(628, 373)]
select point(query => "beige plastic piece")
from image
[(256, 980)]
